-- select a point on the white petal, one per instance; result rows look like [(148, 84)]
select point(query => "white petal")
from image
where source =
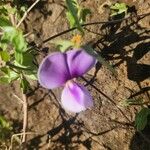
[(75, 97)]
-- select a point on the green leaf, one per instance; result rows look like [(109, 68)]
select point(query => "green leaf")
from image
[(3, 11), (91, 52), (63, 45), (5, 56), (15, 37), (71, 19), (4, 22), (141, 118), (9, 75), (4, 80), (28, 60), (83, 15), (31, 75), (19, 42), (23, 8), (73, 9), (118, 8), (13, 75), (9, 34), (18, 57), (24, 85), (4, 123), (3, 46), (5, 129), (5, 70)]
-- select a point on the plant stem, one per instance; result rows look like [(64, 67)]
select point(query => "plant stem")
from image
[(83, 25), (15, 135), (17, 67), (25, 117), (26, 13), (93, 23)]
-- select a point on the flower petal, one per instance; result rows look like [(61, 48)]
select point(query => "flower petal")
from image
[(79, 62), (53, 71), (75, 97)]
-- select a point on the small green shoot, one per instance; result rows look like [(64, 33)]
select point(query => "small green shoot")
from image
[(118, 8), (76, 15), (131, 101), (5, 128), (19, 63)]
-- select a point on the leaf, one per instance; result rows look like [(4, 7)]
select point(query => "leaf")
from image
[(4, 22), (73, 7), (9, 75), (23, 8), (28, 60), (4, 80), (83, 15), (4, 123), (63, 45), (18, 57), (13, 75), (19, 42), (25, 62), (118, 8), (141, 118), (24, 85), (15, 37), (5, 70), (71, 19), (3, 11), (3, 46), (90, 51), (5, 56), (5, 129), (31, 75)]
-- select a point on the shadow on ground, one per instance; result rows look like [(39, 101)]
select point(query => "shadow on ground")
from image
[(141, 140)]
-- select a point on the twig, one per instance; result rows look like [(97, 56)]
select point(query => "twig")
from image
[(25, 117), (18, 98), (18, 134), (26, 13), (12, 19), (17, 67), (3, 145), (25, 114)]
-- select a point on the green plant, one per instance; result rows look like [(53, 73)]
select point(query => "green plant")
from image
[(142, 117), (18, 62), (76, 15), (118, 8), (5, 129), (131, 101)]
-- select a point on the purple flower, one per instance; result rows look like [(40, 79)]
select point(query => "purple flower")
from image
[(60, 69)]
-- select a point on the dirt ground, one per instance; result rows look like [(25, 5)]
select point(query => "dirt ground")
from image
[(109, 125)]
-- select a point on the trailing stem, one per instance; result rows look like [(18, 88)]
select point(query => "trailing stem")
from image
[(25, 117)]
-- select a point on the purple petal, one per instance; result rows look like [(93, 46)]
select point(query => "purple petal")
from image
[(79, 62), (53, 71), (75, 97)]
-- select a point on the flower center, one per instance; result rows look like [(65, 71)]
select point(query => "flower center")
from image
[(69, 82)]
